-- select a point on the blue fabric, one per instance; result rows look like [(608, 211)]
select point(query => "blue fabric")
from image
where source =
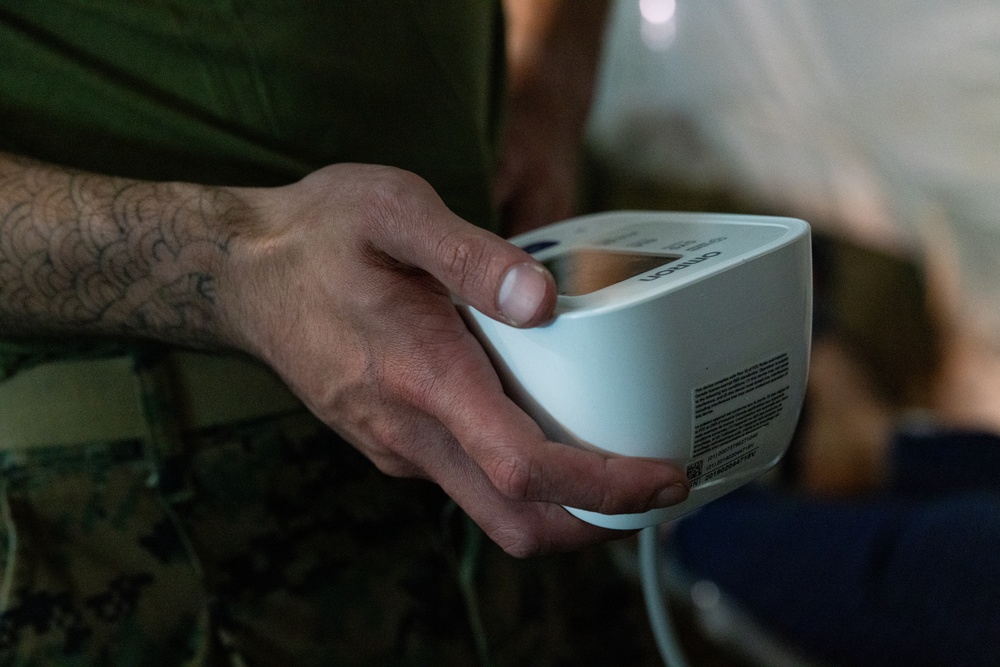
[(908, 578)]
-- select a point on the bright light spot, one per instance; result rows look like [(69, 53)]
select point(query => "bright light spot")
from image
[(657, 12), (659, 23)]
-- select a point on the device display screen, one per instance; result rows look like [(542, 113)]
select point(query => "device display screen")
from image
[(585, 270)]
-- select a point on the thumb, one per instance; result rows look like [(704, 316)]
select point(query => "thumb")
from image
[(481, 269), (525, 294)]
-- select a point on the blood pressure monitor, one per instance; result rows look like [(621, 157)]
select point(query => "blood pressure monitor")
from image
[(676, 335)]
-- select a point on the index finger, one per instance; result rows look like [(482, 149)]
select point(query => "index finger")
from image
[(523, 465)]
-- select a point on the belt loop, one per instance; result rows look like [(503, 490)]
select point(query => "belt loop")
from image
[(10, 561), (164, 445)]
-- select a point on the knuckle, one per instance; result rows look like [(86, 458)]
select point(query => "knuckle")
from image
[(519, 543), (382, 198), (412, 382), (516, 476), (608, 502), (602, 495), (390, 451), (463, 258), (394, 466), (387, 199), (404, 470)]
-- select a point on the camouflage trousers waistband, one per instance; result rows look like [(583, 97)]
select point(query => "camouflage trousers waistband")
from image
[(133, 396)]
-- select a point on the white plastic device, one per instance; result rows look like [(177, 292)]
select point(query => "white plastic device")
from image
[(682, 336)]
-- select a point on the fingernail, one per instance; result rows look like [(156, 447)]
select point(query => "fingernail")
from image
[(673, 494), (522, 293)]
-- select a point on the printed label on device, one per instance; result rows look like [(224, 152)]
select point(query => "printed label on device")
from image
[(729, 415)]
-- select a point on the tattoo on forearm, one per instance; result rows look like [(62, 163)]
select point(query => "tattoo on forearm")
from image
[(98, 255)]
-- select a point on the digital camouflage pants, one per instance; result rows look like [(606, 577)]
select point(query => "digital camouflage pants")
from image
[(274, 543)]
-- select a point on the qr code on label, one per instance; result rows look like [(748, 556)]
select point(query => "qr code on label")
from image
[(694, 470)]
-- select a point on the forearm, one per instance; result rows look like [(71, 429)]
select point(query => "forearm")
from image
[(84, 254), (553, 51)]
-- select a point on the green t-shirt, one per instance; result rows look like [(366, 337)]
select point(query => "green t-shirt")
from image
[(254, 92)]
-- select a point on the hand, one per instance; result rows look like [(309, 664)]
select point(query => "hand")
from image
[(342, 282)]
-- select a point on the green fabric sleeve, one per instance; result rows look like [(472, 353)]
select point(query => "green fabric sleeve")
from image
[(255, 92)]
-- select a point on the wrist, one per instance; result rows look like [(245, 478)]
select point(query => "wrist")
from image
[(255, 249)]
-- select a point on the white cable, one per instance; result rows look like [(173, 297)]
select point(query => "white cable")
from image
[(656, 608)]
